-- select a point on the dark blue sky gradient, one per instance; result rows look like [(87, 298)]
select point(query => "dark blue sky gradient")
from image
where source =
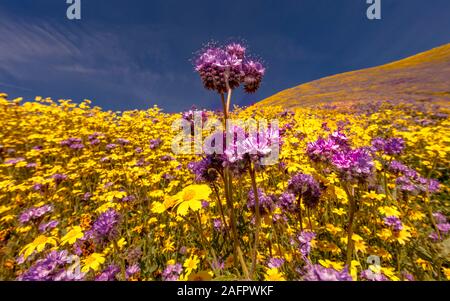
[(135, 53)]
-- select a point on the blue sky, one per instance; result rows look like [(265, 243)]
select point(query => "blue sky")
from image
[(135, 53)]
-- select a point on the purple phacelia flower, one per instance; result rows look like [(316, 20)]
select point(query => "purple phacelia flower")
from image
[(108, 274), (306, 187), (354, 165), (155, 143), (111, 146), (58, 178), (444, 228), (123, 141), (44, 227), (172, 272), (369, 275), (322, 150), (319, 273), (34, 213), (265, 202), (440, 218), (275, 262), (394, 222), (132, 270), (391, 146), (304, 239), (288, 202), (105, 227)]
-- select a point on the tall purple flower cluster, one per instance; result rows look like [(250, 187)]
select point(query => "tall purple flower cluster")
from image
[(35, 213), (287, 202), (105, 227), (51, 268), (391, 146), (306, 187), (208, 168), (410, 181), (218, 66), (266, 204), (323, 150), (354, 164)]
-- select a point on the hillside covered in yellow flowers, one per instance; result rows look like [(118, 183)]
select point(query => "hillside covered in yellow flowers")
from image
[(423, 77)]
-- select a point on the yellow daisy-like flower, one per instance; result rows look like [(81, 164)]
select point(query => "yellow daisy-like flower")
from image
[(425, 265), (38, 244), (191, 264), (372, 195), (72, 235), (446, 272), (389, 211), (93, 262), (340, 211), (191, 197), (274, 275), (331, 264)]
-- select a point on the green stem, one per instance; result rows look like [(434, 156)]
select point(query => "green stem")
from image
[(258, 219)]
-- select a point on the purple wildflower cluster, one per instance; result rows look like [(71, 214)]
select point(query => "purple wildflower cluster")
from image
[(132, 270), (14, 161), (52, 268), (442, 224), (208, 168), (94, 138), (266, 204), (304, 241), (275, 262), (394, 222), (58, 178), (172, 272), (323, 150), (122, 141), (108, 274), (352, 164), (287, 202), (35, 213), (306, 187), (410, 181), (391, 146), (105, 227), (44, 227), (316, 272), (155, 143), (73, 143), (220, 68), (369, 275), (242, 149)]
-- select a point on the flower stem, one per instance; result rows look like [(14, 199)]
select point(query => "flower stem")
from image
[(258, 220)]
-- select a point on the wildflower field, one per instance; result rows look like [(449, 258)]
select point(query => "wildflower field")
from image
[(80, 183), (358, 191)]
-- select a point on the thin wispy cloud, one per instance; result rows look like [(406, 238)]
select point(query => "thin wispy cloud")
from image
[(37, 52)]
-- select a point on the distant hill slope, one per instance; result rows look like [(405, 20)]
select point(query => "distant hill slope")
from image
[(422, 77)]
